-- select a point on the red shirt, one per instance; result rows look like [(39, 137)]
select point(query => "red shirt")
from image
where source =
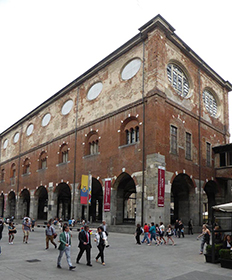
[(146, 228)]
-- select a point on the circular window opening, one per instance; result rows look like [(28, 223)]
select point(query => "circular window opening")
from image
[(30, 129), (178, 79), (46, 119), (5, 144), (210, 103), (16, 137), (94, 91), (131, 69), (67, 107)]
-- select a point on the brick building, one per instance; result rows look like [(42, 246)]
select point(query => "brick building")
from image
[(146, 117)]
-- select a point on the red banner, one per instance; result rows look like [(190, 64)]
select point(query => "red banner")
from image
[(107, 195), (161, 186)]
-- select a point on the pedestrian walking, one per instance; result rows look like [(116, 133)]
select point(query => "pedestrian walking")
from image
[(162, 231), (64, 247), (205, 237), (190, 227), (170, 234), (50, 235), (26, 229), (11, 232), (176, 228), (146, 231), (138, 232), (152, 232), (104, 226), (181, 229), (84, 245), (1, 229), (100, 239)]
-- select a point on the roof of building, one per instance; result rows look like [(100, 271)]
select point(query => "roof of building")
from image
[(156, 22)]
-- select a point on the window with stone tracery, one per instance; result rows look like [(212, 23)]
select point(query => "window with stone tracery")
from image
[(63, 153), (26, 166), (178, 79)]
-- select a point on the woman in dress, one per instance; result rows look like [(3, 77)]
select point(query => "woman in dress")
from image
[(100, 239), (206, 237), (11, 232)]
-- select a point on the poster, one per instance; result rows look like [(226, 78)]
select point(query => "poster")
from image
[(107, 195), (161, 186)]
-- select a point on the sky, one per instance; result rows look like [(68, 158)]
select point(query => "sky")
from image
[(46, 44)]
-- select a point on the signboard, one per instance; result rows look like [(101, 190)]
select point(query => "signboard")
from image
[(161, 186), (107, 195)]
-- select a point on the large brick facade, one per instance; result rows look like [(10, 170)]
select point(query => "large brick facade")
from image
[(122, 134)]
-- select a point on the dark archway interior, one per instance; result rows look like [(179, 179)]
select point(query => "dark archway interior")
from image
[(95, 209), (181, 188), (126, 199), (2, 205), (12, 203), (64, 201), (25, 196), (42, 203)]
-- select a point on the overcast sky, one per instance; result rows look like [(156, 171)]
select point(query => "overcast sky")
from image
[(46, 44)]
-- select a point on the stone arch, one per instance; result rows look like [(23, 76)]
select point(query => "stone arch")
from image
[(211, 189), (2, 200), (41, 203), (12, 203), (24, 203), (63, 201), (126, 199), (183, 200)]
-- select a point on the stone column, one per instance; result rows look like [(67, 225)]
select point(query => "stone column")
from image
[(33, 205), (51, 203)]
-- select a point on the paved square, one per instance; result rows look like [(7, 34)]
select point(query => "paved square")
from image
[(124, 260)]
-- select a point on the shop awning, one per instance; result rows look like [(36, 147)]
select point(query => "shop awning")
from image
[(227, 207)]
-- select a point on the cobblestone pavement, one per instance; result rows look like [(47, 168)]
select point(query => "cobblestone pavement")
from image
[(124, 260)]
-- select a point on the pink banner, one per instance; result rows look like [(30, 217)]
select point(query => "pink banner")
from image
[(107, 195), (161, 186)]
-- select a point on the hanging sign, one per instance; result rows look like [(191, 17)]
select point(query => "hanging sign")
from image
[(107, 195), (161, 186)]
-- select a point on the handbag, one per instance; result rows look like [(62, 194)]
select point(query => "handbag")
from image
[(14, 231), (54, 235)]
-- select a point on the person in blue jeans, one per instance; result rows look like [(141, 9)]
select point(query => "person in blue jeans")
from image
[(146, 231), (152, 231)]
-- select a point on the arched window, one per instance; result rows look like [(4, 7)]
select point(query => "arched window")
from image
[(26, 166), (130, 131), (210, 103), (92, 143), (43, 160), (178, 79), (13, 174), (2, 175), (63, 153)]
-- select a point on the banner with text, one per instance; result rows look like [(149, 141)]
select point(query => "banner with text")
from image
[(161, 186), (107, 195)]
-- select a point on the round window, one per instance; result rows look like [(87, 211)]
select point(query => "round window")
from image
[(94, 91), (131, 69), (5, 144), (178, 79), (46, 119), (210, 103), (30, 129), (67, 107), (16, 137)]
